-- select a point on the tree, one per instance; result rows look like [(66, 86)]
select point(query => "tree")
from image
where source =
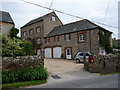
[(16, 47), (14, 32), (12, 48), (28, 47)]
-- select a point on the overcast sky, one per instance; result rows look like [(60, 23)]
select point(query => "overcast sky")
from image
[(93, 10)]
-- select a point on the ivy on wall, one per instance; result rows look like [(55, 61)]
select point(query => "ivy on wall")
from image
[(104, 40)]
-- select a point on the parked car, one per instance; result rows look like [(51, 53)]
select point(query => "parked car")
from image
[(81, 56)]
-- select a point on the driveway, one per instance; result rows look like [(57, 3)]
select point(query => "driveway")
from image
[(57, 66), (65, 70)]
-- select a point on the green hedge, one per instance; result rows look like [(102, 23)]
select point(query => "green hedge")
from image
[(29, 74)]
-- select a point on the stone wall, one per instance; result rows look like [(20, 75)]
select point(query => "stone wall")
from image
[(21, 62), (104, 64), (6, 28)]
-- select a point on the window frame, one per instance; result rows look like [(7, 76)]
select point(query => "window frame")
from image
[(47, 40), (81, 38), (58, 38), (24, 35), (30, 32), (37, 39), (67, 37), (52, 18), (54, 38), (37, 29)]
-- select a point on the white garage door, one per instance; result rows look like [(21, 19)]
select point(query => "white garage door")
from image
[(48, 53), (57, 52)]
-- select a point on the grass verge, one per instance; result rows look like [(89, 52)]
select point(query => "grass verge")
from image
[(23, 84), (110, 73)]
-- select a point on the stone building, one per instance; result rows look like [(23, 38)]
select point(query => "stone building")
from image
[(63, 41), (38, 28), (6, 23)]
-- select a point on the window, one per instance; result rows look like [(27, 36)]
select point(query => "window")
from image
[(52, 18), (31, 32), (80, 54), (38, 29), (67, 37), (81, 38), (38, 40), (24, 34), (58, 38), (54, 38), (47, 40)]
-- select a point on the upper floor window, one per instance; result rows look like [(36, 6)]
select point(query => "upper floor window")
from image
[(67, 37), (38, 29), (81, 37), (38, 40), (54, 38), (58, 38), (47, 40), (24, 33), (52, 18), (31, 31)]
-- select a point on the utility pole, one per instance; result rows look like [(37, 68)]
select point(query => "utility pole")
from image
[(51, 4)]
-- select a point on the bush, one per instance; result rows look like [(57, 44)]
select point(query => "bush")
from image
[(27, 47), (15, 47), (9, 77), (29, 74)]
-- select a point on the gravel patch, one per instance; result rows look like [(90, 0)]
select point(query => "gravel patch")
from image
[(57, 66)]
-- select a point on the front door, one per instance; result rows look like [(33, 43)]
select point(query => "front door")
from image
[(68, 53), (38, 52)]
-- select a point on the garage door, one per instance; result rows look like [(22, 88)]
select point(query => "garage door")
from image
[(48, 53), (57, 52)]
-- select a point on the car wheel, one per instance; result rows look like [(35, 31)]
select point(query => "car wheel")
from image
[(77, 61)]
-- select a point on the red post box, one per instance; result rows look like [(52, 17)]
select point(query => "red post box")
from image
[(90, 59)]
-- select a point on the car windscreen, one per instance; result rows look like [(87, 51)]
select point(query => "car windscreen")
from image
[(88, 54), (80, 54)]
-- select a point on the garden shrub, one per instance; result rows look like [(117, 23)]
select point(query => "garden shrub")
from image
[(9, 76), (29, 74)]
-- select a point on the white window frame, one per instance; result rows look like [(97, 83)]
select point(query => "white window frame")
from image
[(52, 18), (67, 37), (81, 37)]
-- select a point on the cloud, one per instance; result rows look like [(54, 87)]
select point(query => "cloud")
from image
[(89, 9)]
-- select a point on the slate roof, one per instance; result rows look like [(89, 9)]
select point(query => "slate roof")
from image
[(73, 27), (36, 20), (6, 17)]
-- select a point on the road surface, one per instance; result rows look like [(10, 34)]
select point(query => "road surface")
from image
[(108, 81)]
